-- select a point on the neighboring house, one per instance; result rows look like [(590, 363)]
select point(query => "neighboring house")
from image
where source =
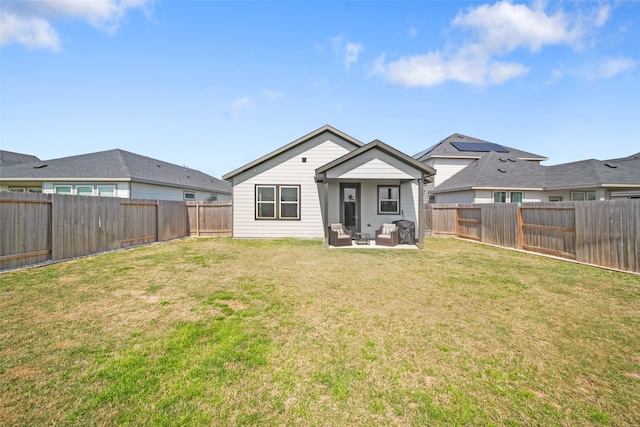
[(327, 177), (454, 153), (11, 158), (477, 171), (115, 173)]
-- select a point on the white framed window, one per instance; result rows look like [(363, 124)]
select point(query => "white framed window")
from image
[(289, 201), (84, 190), (265, 201), (499, 197), (63, 189), (189, 195), (16, 189), (34, 190), (388, 199), (515, 197), (277, 202), (213, 198), (106, 190)]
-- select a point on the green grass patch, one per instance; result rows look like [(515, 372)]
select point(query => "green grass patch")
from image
[(203, 332)]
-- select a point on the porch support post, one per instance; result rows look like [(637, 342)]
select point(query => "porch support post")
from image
[(325, 217), (421, 212)]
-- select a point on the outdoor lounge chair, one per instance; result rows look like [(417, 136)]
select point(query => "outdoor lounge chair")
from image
[(339, 236), (387, 235)]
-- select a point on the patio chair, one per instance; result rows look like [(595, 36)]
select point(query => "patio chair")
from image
[(387, 235), (339, 236)]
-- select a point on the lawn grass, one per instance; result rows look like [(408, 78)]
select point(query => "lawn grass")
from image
[(284, 332)]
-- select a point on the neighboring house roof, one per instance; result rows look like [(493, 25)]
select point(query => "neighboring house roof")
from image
[(377, 144), (114, 165), (498, 170), (11, 158), (291, 145), (595, 173), (462, 146)]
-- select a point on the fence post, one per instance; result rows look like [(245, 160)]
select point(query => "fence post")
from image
[(520, 227)]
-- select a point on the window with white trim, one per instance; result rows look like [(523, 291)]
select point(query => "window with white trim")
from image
[(289, 201), (106, 190), (189, 195), (63, 189), (84, 190), (388, 199), (499, 197), (277, 202), (515, 197)]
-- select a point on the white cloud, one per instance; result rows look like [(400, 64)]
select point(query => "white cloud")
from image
[(34, 33), (493, 31), (612, 66), (30, 23), (239, 106), (413, 32), (504, 27), (351, 52), (347, 51)]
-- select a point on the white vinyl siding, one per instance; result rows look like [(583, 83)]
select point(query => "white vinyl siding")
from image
[(446, 168), (284, 170), (374, 164)]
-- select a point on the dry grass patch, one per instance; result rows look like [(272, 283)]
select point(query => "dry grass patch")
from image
[(226, 332)]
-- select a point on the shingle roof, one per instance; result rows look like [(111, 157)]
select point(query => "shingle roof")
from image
[(445, 148), (594, 173), (117, 165), (495, 170), (11, 158)]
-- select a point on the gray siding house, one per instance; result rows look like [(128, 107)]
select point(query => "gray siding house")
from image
[(114, 173)]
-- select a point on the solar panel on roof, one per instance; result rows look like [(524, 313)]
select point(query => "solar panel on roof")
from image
[(479, 147)]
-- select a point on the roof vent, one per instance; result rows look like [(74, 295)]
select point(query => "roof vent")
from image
[(502, 170), (40, 166), (611, 165), (512, 160), (502, 159)]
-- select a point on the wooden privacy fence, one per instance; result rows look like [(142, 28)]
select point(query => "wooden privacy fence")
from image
[(210, 218), (35, 228), (605, 233)]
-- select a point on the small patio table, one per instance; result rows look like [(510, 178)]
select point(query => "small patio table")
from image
[(362, 238)]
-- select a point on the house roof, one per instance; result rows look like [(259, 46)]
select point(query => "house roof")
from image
[(11, 158), (465, 149), (381, 146), (116, 165), (595, 173), (291, 145), (497, 170)]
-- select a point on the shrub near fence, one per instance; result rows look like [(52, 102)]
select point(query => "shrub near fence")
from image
[(605, 233), (35, 228)]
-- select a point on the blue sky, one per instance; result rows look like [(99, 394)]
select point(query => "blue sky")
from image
[(215, 84)]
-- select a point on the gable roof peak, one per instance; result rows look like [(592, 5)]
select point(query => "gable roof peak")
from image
[(291, 145)]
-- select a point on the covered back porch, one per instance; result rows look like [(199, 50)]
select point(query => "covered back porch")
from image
[(369, 190)]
